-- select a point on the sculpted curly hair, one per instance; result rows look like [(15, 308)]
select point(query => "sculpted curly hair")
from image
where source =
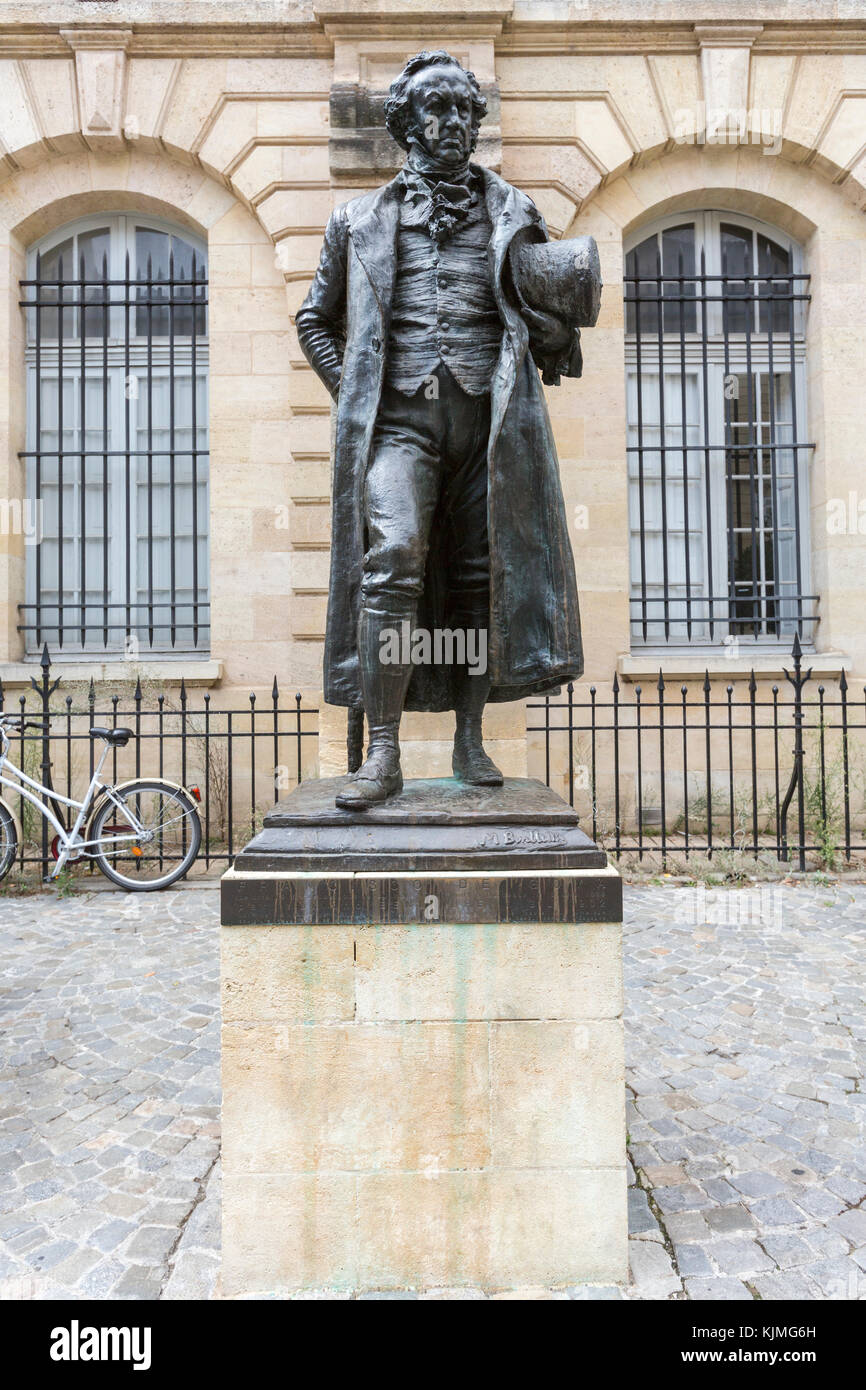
[(397, 108)]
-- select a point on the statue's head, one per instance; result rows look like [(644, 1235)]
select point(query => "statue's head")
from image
[(437, 104)]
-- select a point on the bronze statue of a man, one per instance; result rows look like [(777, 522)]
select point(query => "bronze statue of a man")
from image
[(448, 513)]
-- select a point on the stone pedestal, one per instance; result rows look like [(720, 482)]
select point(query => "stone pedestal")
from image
[(423, 1075)]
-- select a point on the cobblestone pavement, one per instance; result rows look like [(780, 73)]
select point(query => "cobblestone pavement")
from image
[(109, 1095), (745, 1033), (745, 1037)]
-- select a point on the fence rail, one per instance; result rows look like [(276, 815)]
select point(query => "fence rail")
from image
[(712, 769), (241, 760)]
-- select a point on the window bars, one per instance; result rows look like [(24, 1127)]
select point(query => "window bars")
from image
[(117, 456), (717, 461)]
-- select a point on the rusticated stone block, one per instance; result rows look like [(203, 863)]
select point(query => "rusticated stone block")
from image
[(360, 147)]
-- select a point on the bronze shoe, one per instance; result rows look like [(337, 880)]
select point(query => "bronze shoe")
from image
[(470, 764), (379, 778)]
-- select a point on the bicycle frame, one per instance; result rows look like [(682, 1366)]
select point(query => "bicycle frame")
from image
[(30, 789)]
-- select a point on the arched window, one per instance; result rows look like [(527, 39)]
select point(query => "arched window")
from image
[(718, 460), (116, 454)]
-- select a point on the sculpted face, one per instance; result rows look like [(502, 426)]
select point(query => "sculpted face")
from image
[(441, 105)]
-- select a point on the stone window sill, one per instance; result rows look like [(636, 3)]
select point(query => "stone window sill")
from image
[(691, 665), (16, 674)]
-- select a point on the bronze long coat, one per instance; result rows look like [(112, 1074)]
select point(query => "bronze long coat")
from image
[(534, 640)]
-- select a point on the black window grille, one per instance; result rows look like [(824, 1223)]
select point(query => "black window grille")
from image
[(718, 464), (117, 456)]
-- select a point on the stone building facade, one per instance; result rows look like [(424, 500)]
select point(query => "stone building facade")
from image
[(692, 140)]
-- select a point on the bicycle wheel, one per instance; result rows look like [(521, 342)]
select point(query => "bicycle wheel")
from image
[(167, 846), (8, 839)]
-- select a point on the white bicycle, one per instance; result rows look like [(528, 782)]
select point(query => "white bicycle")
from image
[(143, 835)]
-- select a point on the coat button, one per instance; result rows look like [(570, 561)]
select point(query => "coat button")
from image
[(445, 348), (444, 327)]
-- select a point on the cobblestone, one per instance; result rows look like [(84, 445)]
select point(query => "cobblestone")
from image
[(740, 1014), (692, 1261), (716, 1290), (640, 1219), (96, 990), (726, 1220), (745, 1043), (652, 1272)]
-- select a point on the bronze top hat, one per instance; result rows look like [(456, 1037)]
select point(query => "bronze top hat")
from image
[(561, 278)]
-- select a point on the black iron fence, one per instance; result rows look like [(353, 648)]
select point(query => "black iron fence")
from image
[(240, 760), (712, 768), (701, 768)]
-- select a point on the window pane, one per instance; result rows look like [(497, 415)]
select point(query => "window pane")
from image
[(163, 258), (172, 500), (716, 469), (123, 497), (678, 258), (57, 265), (93, 259), (761, 492), (641, 298), (666, 501), (81, 258), (774, 260), (675, 257), (188, 266), (76, 545), (736, 262), (151, 268)]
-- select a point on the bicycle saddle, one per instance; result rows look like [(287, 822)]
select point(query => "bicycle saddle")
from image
[(116, 738)]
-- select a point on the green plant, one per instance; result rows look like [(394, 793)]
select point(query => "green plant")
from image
[(823, 797), (65, 883), (29, 758), (743, 818), (16, 885)]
